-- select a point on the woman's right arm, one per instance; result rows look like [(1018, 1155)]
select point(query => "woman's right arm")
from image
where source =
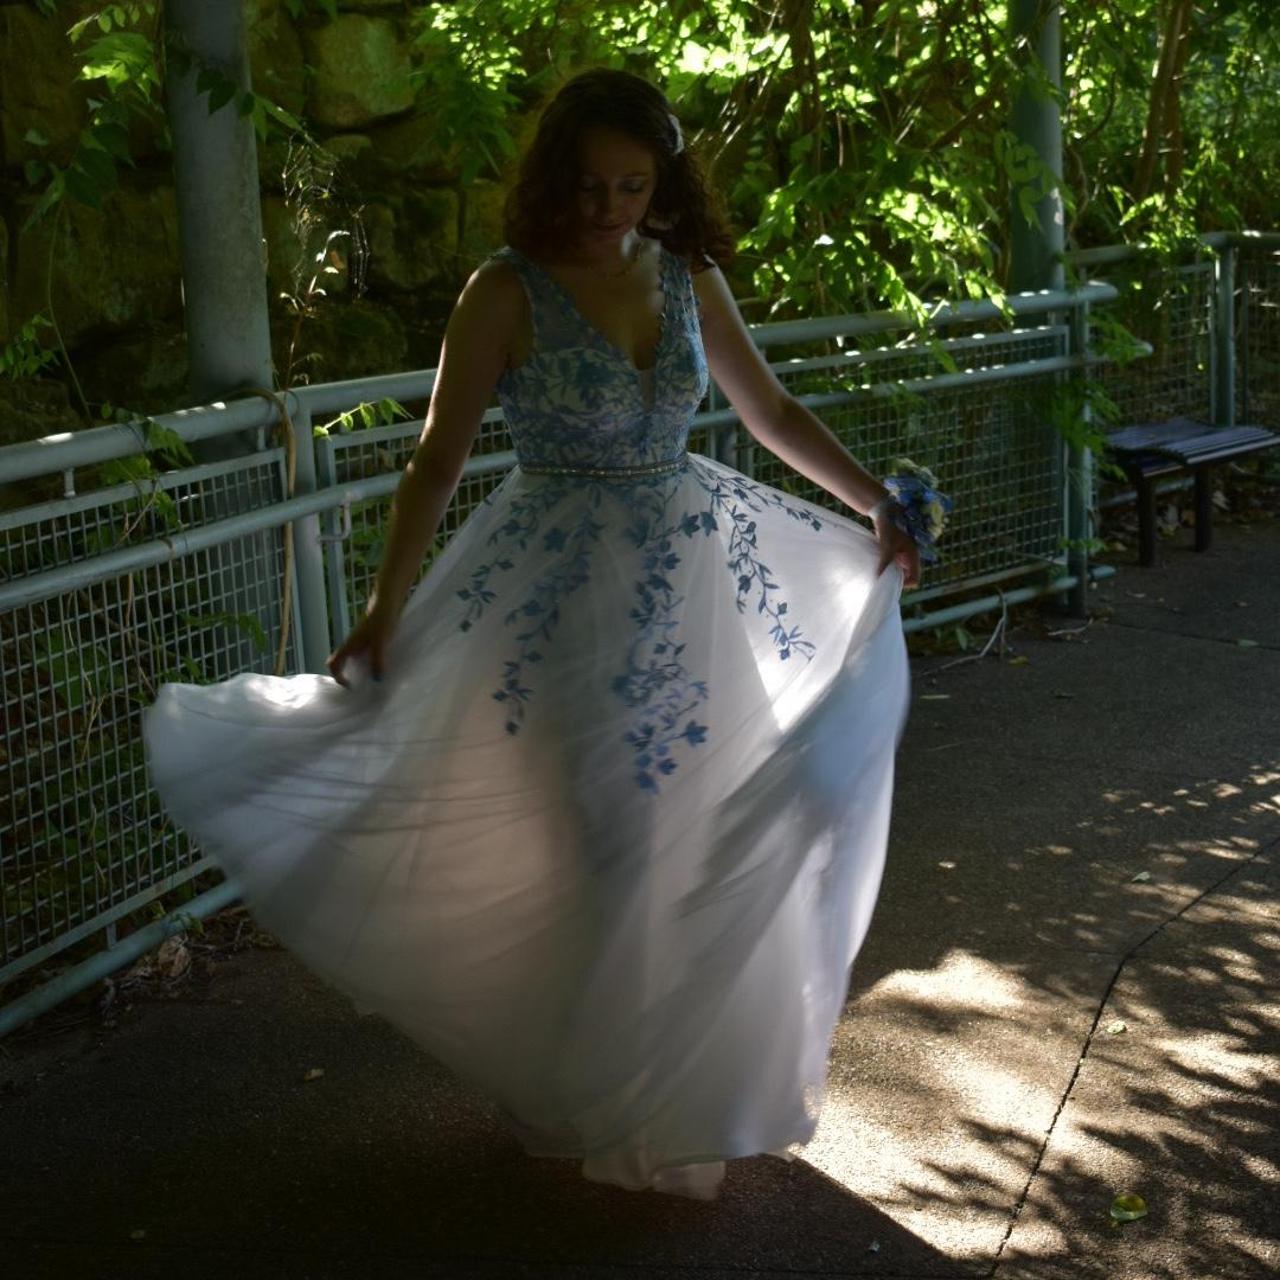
[(477, 345)]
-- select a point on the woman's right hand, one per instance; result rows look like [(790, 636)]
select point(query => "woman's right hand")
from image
[(369, 637)]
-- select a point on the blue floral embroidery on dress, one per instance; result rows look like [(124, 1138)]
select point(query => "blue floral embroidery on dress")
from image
[(525, 513), (542, 607), (744, 561), (577, 403), (577, 400), (656, 681)]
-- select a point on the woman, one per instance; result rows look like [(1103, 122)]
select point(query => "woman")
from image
[(606, 832)]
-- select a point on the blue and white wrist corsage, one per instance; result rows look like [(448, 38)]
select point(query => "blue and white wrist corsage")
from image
[(915, 505)]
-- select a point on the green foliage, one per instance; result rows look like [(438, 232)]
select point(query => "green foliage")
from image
[(117, 57), (245, 623), (367, 414), (465, 68), (24, 356), (123, 53), (1220, 142), (301, 8)]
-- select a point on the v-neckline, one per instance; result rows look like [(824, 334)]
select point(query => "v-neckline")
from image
[(567, 298)]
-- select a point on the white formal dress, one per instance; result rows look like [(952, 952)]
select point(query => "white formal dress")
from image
[(607, 837)]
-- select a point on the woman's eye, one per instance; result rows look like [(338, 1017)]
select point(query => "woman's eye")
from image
[(633, 190)]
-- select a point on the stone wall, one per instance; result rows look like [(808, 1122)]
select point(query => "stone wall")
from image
[(113, 274)]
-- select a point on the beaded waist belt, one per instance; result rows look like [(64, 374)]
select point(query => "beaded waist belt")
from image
[(610, 473)]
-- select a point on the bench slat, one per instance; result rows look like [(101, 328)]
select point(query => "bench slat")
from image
[(1190, 442)]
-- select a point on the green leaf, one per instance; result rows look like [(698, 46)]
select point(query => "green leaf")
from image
[(52, 194), (167, 442), (1128, 1207), (113, 138), (97, 165), (35, 138), (80, 186), (245, 623), (220, 88)]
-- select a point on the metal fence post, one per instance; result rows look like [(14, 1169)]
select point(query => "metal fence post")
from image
[(1224, 337), (215, 165), (1244, 372), (308, 556), (1079, 477), (1036, 248), (337, 529)]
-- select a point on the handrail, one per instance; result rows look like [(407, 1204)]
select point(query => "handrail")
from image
[(111, 564), (1017, 304), (1108, 254), (70, 449)]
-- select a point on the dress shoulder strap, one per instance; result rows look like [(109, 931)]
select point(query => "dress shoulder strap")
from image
[(543, 305), (677, 275)]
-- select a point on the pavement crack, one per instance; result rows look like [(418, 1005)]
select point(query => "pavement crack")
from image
[(1121, 964)]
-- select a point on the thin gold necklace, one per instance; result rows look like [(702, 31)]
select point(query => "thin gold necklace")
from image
[(617, 275)]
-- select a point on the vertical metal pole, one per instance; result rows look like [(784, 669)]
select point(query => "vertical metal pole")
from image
[(1242, 272), (1079, 480), (215, 162), (1036, 248), (308, 555), (334, 538), (1224, 337)]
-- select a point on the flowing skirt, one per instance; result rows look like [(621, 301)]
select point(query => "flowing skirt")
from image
[(606, 838)]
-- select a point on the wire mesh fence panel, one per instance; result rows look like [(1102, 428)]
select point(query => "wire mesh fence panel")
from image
[(991, 445), (360, 455), (83, 840), (1172, 309), (1258, 342)]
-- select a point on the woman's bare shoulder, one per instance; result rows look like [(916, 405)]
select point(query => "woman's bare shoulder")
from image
[(495, 283), (711, 288)]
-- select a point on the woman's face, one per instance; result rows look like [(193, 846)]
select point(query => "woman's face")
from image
[(615, 182)]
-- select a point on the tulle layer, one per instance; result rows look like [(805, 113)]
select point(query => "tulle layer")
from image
[(607, 837)]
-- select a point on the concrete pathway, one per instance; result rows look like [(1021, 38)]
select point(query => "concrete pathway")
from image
[(1070, 991)]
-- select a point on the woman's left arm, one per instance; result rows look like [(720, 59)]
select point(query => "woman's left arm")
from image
[(784, 426)]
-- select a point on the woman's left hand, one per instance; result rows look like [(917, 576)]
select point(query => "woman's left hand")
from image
[(899, 546)]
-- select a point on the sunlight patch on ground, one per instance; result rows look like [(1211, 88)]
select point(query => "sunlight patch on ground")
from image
[(945, 1137), (963, 981)]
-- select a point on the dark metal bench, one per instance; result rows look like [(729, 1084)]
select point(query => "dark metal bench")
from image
[(1157, 449)]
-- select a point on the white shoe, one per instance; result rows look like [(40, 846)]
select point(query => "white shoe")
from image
[(694, 1181)]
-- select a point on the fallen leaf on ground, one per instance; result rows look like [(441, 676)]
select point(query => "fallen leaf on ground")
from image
[(1247, 644), (1020, 661), (313, 1074), (934, 697), (1128, 1207), (1141, 878), (173, 957), (1116, 1027)]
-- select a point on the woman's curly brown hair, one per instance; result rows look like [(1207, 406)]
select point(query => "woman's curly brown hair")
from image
[(684, 213)]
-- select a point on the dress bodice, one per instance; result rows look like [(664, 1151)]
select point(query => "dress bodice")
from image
[(578, 401)]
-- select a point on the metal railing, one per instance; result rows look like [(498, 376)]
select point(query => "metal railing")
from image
[(188, 574)]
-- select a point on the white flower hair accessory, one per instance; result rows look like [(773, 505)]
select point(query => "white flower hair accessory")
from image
[(678, 145)]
